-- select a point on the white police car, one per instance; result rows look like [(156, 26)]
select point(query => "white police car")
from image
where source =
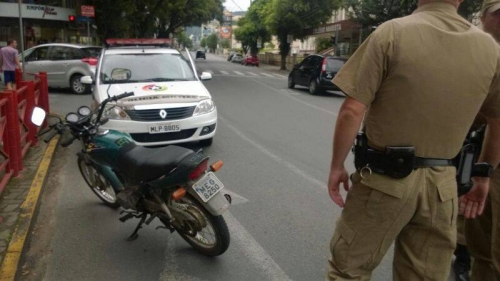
[(170, 105)]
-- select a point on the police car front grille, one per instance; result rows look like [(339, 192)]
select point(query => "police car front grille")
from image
[(154, 114)]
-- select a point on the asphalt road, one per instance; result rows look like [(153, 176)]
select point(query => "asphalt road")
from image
[(276, 146)]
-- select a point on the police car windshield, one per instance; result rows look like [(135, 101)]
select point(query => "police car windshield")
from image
[(147, 68)]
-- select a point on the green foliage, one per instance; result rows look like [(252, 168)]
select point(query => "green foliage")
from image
[(323, 44), (203, 42), (212, 41), (292, 17), (251, 28), (270, 46), (225, 44), (144, 18), (183, 40), (469, 8)]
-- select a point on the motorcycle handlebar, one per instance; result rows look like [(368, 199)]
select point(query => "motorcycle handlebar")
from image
[(51, 135), (122, 96), (69, 141)]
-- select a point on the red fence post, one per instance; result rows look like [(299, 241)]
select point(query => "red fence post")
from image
[(19, 78), (13, 133), (30, 104)]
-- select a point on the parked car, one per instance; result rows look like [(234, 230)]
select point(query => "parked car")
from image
[(200, 54), (170, 105), (251, 60), (238, 58), (230, 57), (316, 72), (65, 64)]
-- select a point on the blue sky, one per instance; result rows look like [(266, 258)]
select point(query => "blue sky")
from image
[(232, 5)]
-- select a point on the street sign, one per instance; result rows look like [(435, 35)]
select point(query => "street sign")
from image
[(88, 11), (80, 19)]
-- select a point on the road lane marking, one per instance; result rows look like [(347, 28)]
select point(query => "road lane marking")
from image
[(281, 76), (224, 72), (268, 75), (253, 74), (275, 157), (239, 73), (12, 257)]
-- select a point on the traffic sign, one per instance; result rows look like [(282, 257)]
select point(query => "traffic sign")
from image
[(88, 11), (80, 19)]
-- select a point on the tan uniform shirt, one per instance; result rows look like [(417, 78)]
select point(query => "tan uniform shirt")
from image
[(424, 78)]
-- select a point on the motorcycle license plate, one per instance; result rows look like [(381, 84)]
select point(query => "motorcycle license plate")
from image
[(164, 128), (208, 186)]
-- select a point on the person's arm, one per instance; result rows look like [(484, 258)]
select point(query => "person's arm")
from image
[(348, 123), (1, 61), (472, 203), (18, 62)]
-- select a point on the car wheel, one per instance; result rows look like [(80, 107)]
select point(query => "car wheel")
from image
[(77, 86), (207, 142), (291, 83), (257, 65), (313, 87)]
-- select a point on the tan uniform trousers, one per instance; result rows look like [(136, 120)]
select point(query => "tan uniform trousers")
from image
[(483, 236), (418, 213)]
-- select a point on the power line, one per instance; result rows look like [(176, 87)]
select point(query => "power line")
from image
[(238, 5)]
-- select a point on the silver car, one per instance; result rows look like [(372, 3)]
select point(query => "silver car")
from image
[(64, 64), (238, 58)]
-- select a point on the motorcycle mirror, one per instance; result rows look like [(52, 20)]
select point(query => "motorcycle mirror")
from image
[(38, 116)]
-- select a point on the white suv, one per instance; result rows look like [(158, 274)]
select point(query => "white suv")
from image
[(170, 105)]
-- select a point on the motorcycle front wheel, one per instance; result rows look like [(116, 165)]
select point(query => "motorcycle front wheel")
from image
[(98, 184), (213, 239)]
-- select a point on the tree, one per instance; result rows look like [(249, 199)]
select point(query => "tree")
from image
[(225, 44), (203, 42), (323, 44), (212, 41), (184, 40), (292, 17), (371, 13), (251, 28)]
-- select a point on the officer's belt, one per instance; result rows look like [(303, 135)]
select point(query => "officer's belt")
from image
[(378, 159)]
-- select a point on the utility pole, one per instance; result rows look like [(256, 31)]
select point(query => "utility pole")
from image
[(21, 33)]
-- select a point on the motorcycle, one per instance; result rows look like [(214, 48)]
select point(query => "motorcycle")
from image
[(171, 183)]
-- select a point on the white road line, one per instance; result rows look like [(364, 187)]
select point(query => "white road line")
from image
[(224, 72), (268, 75), (253, 251), (239, 73), (278, 159), (281, 76), (253, 74)]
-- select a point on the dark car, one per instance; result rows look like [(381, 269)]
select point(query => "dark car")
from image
[(316, 72), (200, 54), (231, 55)]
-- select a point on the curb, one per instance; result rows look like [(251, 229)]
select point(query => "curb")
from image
[(10, 264)]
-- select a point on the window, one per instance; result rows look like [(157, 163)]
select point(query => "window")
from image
[(306, 61), (334, 64), (38, 54), (61, 53)]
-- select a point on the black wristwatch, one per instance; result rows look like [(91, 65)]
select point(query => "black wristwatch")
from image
[(482, 170)]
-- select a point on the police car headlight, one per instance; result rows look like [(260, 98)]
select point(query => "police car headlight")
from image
[(115, 112), (204, 107)]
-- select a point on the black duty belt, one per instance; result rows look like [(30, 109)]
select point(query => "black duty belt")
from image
[(432, 162)]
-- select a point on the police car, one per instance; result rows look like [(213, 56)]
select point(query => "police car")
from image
[(170, 105)]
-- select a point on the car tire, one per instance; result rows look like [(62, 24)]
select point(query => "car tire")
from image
[(291, 83), (207, 142), (77, 86), (257, 65), (313, 87)]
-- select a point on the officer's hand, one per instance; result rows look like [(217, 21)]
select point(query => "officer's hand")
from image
[(336, 178), (472, 203)]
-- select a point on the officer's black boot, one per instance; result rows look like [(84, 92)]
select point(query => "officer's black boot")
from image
[(461, 267)]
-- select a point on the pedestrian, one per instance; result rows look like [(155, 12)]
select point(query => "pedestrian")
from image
[(417, 82), (9, 61), (483, 233)]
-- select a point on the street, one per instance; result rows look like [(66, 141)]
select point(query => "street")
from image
[(276, 147)]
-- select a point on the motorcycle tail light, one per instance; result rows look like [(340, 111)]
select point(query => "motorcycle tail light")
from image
[(198, 171), (216, 166), (179, 193)]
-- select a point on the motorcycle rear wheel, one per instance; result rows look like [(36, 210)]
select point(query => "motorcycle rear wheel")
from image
[(105, 192), (218, 238)]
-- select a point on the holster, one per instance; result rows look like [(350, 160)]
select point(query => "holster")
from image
[(464, 163)]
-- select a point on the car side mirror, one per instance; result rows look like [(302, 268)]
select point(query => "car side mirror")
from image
[(87, 80), (206, 76)]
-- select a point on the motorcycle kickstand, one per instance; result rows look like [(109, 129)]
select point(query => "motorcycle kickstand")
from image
[(135, 234)]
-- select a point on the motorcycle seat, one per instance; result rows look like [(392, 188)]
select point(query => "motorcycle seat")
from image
[(140, 164)]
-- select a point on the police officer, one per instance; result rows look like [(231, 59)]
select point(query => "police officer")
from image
[(423, 79), (483, 233)]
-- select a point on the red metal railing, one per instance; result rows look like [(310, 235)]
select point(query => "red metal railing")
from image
[(17, 133)]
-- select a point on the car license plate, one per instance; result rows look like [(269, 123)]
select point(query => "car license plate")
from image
[(164, 128), (208, 187)]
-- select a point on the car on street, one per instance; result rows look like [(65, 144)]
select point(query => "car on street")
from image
[(251, 60), (237, 58), (316, 72), (170, 105), (230, 57), (65, 64), (200, 54)]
